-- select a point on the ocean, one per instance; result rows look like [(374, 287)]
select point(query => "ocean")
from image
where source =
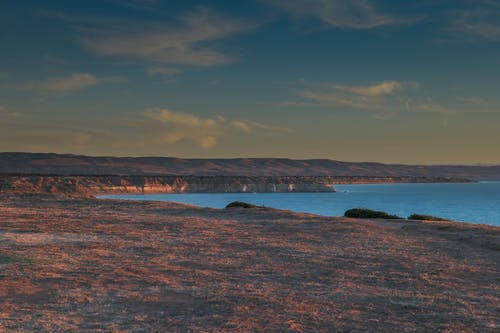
[(468, 202)]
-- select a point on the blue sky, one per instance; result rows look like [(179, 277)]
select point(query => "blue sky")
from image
[(360, 80)]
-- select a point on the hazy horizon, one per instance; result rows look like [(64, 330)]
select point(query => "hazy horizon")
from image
[(247, 157), (355, 81)]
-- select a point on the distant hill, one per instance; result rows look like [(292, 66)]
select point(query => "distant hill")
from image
[(67, 164)]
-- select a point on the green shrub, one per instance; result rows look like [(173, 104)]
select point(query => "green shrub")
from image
[(365, 213), (240, 204), (426, 217)]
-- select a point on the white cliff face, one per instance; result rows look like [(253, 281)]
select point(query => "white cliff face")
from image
[(166, 184), (257, 187)]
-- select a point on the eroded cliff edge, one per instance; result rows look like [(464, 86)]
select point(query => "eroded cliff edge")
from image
[(109, 184), (160, 184)]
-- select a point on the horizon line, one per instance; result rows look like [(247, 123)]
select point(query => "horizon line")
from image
[(479, 164)]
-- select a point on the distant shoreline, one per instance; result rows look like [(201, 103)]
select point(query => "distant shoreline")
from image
[(90, 185)]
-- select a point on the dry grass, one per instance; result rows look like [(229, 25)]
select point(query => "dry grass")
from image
[(140, 266)]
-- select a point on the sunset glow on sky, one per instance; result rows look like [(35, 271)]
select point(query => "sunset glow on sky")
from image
[(359, 80)]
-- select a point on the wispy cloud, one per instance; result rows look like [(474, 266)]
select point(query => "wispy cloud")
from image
[(44, 137), (8, 116), (287, 103), (346, 14), (169, 127), (241, 125), (185, 44), (481, 22), (384, 99), (378, 89), (434, 107), (138, 4), (69, 83), (380, 98), (30, 132), (474, 101), (250, 126), (183, 126), (267, 127), (160, 70), (54, 60), (157, 127)]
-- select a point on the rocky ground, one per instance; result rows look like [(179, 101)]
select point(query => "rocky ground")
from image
[(93, 265)]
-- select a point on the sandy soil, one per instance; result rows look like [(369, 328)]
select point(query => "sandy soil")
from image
[(92, 265)]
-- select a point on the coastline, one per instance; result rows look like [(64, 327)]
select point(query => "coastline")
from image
[(83, 263), (90, 185)]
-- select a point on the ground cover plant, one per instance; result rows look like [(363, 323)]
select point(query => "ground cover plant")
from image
[(365, 213)]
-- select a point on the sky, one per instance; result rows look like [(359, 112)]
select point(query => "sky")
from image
[(362, 80)]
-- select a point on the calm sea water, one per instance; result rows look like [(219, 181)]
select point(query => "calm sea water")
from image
[(474, 202)]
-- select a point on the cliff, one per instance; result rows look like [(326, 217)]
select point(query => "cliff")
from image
[(91, 185), (160, 184)]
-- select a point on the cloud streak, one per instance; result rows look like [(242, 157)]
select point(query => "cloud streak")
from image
[(344, 14), (380, 98), (431, 106), (482, 22), (186, 44), (169, 127), (473, 101), (69, 83), (387, 98), (7, 116), (377, 90), (167, 71), (177, 126), (45, 138), (147, 5)]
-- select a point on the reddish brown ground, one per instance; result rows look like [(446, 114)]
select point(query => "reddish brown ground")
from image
[(93, 265)]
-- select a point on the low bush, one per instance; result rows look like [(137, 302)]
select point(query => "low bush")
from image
[(426, 217), (240, 204), (365, 213)]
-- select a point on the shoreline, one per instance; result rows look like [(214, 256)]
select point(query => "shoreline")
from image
[(115, 184), (401, 220), (452, 201)]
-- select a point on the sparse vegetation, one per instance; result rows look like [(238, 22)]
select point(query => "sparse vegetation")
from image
[(5, 259), (240, 204), (240, 265), (8, 259), (426, 217), (365, 213)]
